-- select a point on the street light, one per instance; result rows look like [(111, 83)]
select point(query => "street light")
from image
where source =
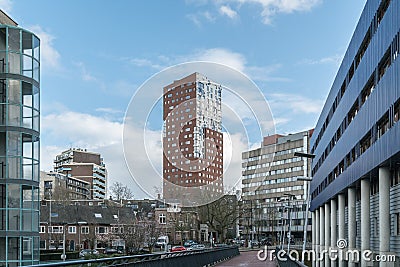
[(290, 219), (308, 179)]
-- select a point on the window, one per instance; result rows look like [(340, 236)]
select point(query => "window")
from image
[(162, 218), (72, 229), (55, 229), (101, 230), (42, 229), (85, 230)]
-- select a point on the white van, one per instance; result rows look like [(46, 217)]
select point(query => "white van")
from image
[(162, 241)]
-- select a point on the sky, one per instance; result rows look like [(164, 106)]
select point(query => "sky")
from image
[(96, 54)]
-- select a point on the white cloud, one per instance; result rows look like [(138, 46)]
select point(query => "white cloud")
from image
[(270, 8), (295, 103), (227, 11), (6, 6), (49, 57), (199, 17), (335, 59)]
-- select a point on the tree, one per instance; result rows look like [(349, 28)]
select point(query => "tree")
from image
[(120, 191), (220, 215)]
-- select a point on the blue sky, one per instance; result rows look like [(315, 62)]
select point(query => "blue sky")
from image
[(95, 55)]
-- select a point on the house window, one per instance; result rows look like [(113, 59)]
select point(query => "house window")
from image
[(101, 230), (162, 218), (42, 229), (85, 230), (72, 229)]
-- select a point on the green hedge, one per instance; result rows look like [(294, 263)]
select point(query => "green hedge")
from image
[(51, 255)]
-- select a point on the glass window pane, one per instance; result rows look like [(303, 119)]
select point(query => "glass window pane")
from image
[(13, 248), (36, 102), (35, 221), (36, 50), (36, 245), (27, 94), (27, 148), (3, 108), (14, 63), (13, 39), (26, 220), (36, 172), (14, 92), (27, 169), (27, 66), (36, 149), (2, 62), (27, 43), (13, 219), (2, 39), (14, 167), (35, 197), (36, 70), (14, 196), (3, 91), (14, 144), (27, 117), (35, 120), (27, 197), (2, 249), (14, 115)]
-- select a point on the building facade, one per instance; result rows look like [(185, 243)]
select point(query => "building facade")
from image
[(86, 166), (19, 144), (192, 137), (273, 200), (356, 173), (57, 186)]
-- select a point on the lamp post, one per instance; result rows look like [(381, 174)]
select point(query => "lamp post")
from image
[(308, 179), (290, 219)]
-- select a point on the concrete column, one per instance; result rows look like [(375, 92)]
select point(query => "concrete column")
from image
[(341, 232), (333, 228), (351, 192), (313, 233), (365, 218), (317, 247), (384, 209), (322, 234), (327, 232)]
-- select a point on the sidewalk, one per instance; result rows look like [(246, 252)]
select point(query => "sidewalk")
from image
[(247, 258)]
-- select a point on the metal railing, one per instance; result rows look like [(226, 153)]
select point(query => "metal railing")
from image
[(202, 258)]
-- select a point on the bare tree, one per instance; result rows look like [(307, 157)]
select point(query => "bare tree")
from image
[(220, 215), (120, 191)]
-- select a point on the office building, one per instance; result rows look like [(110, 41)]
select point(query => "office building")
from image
[(192, 137), (19, 144), (84, 165), (356, 172), (273, 200), (58, 186)]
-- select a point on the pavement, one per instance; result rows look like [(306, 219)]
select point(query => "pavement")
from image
[(248, 258)]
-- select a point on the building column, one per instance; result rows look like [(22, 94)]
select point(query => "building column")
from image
[(384, 211), (365, 219), (341, 221), (327, 232), (351, 206), (317, 247), (322, 235), (333, 228), (313, 233)]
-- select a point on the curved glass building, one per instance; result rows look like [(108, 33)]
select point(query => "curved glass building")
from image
[(19, 146)]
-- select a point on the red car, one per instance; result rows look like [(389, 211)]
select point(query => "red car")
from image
[(178, 249)]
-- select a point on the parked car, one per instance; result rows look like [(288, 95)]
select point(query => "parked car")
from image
[(112, 251), (162, 241), (189, 243), (198, 247), (178, 249), (85, 252)]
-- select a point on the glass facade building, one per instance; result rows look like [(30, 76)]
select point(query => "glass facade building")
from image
[(19, 146)]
